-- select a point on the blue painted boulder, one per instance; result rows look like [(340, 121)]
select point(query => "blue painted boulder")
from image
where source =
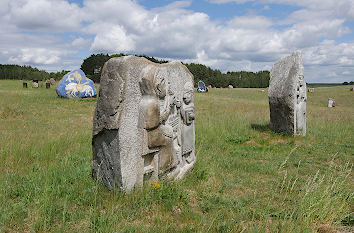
[(75, 84), (202, 87)]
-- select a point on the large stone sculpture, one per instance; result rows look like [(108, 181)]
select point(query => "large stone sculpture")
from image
[(143, 125), (287, 95)]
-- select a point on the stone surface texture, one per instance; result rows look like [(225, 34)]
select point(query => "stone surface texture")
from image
[(331, 103), (287, 95), (52, 81), (143, 126), (75, 84)]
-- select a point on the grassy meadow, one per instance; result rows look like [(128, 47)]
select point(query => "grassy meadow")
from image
[(246, 179)]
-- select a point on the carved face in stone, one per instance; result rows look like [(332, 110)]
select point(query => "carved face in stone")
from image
[(187, 97), (188, 93), (300, 90), (160, 87)]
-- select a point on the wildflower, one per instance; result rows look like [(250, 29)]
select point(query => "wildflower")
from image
[(155, 184)]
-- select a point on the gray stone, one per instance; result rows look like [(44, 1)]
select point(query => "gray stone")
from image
[(230, 86), (331, 103), (35, 85), (287, 95), (143, 127), (52, 81)]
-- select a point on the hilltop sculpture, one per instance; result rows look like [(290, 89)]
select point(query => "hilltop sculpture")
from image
[(287, 95), (143, 127)]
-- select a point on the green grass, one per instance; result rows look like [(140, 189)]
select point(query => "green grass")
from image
[(246, 179)]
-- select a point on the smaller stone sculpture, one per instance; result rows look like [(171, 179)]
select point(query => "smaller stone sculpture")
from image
[(52, 81), (202, 87), (35, 84), (331, 103), (287, 95), (76, 85)]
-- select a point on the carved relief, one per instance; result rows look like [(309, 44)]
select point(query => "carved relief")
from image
[(169, 123), (153, 121), (300, 108)]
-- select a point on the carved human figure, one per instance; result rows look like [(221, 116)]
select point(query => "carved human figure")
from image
[(156, 106), (187, 114), (300, 109)]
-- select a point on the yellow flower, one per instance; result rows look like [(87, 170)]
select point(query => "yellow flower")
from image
[(155, 184)]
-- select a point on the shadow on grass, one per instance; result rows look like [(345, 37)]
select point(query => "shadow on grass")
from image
[(261, 127), (266, 128)]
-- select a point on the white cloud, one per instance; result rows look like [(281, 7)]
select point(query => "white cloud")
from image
[(81, 43), (50, 33), (112, 39), (251, 22), (44, 15), (330, 53), (36, 56)]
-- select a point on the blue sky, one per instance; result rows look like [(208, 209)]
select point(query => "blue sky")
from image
[(229, 35)]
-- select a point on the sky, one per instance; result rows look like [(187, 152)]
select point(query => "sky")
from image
[(229, 35)]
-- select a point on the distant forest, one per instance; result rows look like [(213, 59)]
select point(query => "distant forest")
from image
[(93, 65), (28, 73)]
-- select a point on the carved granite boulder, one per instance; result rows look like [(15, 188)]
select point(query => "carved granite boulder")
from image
[(287, 95), (143, 127)]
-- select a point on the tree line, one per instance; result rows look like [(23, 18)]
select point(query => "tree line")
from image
[(216, 78), (28, 73), (93, 65)]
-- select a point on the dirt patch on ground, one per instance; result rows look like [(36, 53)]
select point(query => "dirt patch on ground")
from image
[(276, 141), (252, 142)]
